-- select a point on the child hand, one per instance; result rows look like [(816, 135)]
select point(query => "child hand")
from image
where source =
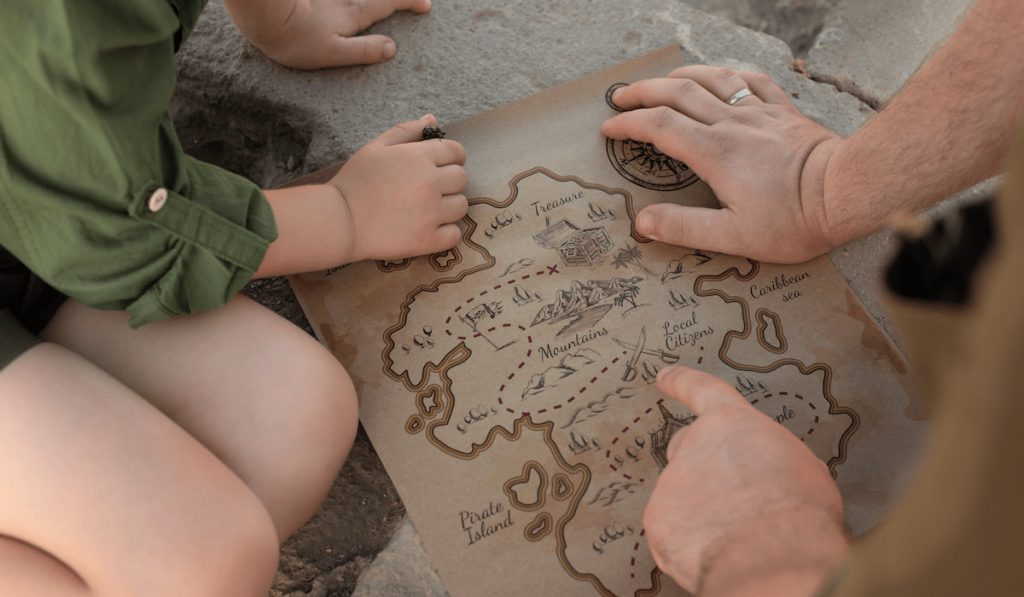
[(321, 33), (404, 194)]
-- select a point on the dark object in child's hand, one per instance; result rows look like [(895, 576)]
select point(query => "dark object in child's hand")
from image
[(432, 132)]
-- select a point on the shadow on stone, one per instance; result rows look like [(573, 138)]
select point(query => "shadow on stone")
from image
[(263, 142), (268, 144)]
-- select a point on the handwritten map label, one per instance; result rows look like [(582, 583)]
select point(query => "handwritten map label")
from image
[(478, 525), (779, 282), (549, 352), (540, 207), (684, 333)]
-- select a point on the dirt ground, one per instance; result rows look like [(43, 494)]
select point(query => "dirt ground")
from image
[(359, 517)]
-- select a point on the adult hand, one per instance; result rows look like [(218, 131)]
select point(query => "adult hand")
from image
[(315, 34), (764, 160), (742, 501), (404, 194)]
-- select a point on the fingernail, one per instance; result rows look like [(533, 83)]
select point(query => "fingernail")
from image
[(429, 4), (429, 117), (390, 49), (645, 224), (664, 371)]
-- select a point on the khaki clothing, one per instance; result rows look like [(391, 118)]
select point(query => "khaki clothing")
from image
[(959, 530), (97, 198)]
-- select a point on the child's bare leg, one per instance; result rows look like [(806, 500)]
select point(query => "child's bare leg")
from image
[(27, 570), (116, 493), (263, 396)]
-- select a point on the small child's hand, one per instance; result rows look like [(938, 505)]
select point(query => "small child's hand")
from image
[(404, 194), (322, 33)]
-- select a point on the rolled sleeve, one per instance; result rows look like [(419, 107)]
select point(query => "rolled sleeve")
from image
[(86, 140), (211, 255)]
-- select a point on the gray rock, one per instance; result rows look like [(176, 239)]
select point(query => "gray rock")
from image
[(401, 570), (235, 108), (872, 47), (796, 22)]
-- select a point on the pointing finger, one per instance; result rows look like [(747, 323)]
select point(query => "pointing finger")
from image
[(698, 391)]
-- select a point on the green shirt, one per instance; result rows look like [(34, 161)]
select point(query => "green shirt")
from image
[(97, 197)]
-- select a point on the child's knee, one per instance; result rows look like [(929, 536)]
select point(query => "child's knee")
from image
[(236, 556), (339, 410), (325, 413)]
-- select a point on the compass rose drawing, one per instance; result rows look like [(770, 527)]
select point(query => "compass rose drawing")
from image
[(642, 164)]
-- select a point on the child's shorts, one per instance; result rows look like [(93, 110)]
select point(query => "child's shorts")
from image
[(27, 304)]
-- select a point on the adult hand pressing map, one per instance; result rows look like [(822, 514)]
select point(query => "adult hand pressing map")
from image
[(765, 161)]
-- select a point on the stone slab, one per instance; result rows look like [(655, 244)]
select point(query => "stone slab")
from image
[(238, 109), (796, 22), (401, 570), (872, 47)]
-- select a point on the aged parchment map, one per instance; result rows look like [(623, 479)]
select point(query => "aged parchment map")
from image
[(507, 384)]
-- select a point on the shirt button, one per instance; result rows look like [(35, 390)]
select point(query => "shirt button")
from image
[(157, 200)]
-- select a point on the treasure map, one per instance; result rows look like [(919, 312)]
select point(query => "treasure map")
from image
[(507, 384)]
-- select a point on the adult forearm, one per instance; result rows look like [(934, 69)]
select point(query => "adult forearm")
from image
[(315, 231), (951, 127)]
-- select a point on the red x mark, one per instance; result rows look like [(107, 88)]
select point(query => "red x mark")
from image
[(553, 269)]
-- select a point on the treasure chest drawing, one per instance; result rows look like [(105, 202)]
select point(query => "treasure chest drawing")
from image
[(576, 246)]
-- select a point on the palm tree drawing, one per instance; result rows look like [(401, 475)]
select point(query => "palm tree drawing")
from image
[(631, 256)]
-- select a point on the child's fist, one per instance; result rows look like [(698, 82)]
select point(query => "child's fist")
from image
[(404, 194), (312, 34)]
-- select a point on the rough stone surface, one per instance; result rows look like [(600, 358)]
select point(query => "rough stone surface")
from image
[(401, 570), (872, 47), (235, 108), (796, 22)]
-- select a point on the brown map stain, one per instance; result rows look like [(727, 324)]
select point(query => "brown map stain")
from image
[(872, 337)]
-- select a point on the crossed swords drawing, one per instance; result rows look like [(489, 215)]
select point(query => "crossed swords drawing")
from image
[(640, 348)]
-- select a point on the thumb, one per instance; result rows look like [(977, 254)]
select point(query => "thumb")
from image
[(407, 132), (364, 49), (698, 391), (694, 227)]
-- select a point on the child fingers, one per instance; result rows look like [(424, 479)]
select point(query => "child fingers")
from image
[(418, 6), (453, 208), (444, 152), (363, 49), (378, 10), (407, 132), (446, 237), (452, 179)]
